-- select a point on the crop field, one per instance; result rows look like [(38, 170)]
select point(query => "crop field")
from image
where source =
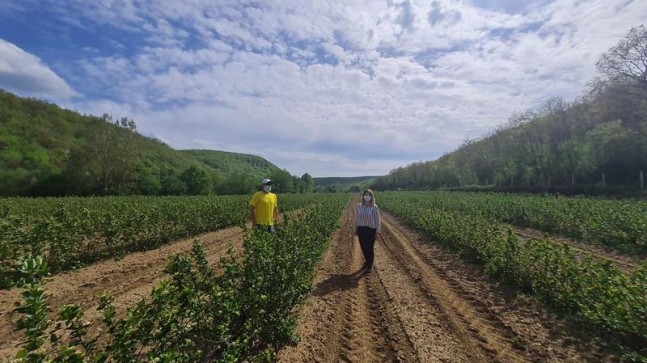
[(459, 277)]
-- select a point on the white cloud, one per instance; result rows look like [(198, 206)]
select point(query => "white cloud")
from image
[(340, 87), (25, 73)]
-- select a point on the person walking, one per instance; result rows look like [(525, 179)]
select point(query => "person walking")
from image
[(263, 208), (367, 227)]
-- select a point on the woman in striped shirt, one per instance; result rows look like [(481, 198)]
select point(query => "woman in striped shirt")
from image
[(367, 227)]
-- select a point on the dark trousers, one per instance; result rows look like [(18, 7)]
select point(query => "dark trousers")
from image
[(367, 242)]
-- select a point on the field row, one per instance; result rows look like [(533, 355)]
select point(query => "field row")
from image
[(619, 224), (243, 313), (71, 232), (591, 292)]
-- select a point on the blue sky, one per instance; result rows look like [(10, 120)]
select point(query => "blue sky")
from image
[(328, 87)]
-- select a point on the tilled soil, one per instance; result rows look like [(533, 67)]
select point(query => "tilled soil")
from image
[(128, 280), (422, 304)]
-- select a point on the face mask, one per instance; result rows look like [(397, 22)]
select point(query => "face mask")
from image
[(367, 198), (267, 188)]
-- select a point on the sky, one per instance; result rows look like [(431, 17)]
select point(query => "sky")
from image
[(327, 87)]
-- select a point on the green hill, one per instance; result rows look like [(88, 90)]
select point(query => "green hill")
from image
[(594, 144), (343, 183), (230, 163), (46, 150)]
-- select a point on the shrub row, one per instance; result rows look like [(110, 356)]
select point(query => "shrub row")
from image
[(197, 315), (594, 294), (620, 224), (72, 232)]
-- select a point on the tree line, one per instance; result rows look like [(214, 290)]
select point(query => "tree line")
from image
[(599, 139)]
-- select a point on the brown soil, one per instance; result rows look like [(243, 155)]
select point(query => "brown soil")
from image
[(422, 304), (128, 280), (622, 261)]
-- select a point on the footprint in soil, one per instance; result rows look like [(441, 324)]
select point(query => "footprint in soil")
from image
[(338, 282)]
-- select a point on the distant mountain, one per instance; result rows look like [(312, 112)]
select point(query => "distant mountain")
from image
[(344, 183), (46, 150)]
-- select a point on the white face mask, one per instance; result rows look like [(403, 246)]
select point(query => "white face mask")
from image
[(367, 198), (267, 188)]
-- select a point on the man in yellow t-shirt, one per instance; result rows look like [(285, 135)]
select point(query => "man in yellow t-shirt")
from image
[(263, 208)]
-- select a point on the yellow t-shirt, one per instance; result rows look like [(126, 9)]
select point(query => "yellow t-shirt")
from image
[(264, 205)]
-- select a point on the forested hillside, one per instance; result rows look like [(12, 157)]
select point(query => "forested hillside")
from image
[(597, 140), (46, 150), (354, 183)]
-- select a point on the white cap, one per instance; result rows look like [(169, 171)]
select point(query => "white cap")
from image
[(266, 181)]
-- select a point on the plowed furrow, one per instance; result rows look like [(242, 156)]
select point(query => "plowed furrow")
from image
[(525, 322), (349, 317), (370, 331), (487, 339), (360, 335), (432, 337)]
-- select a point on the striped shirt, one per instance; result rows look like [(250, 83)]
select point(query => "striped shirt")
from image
[(368, 217)]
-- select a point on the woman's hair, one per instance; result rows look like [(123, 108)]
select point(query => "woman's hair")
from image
[(369, 192)]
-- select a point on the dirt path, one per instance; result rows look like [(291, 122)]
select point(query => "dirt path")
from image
[(128, 280), (624, 262), (421, 304), (347, 318)]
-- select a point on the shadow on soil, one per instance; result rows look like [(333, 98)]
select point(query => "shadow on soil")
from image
[(338, 282)]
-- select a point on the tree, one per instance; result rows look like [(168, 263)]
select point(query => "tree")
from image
[(147, 182), (106, 161), (308, 182), (354, 188), (628, 59), (172, 184), (622, 93), (197, 180), (616, 151), (237, 183), (282, 182)]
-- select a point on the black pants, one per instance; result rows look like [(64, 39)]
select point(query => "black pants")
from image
[(367, 242)]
